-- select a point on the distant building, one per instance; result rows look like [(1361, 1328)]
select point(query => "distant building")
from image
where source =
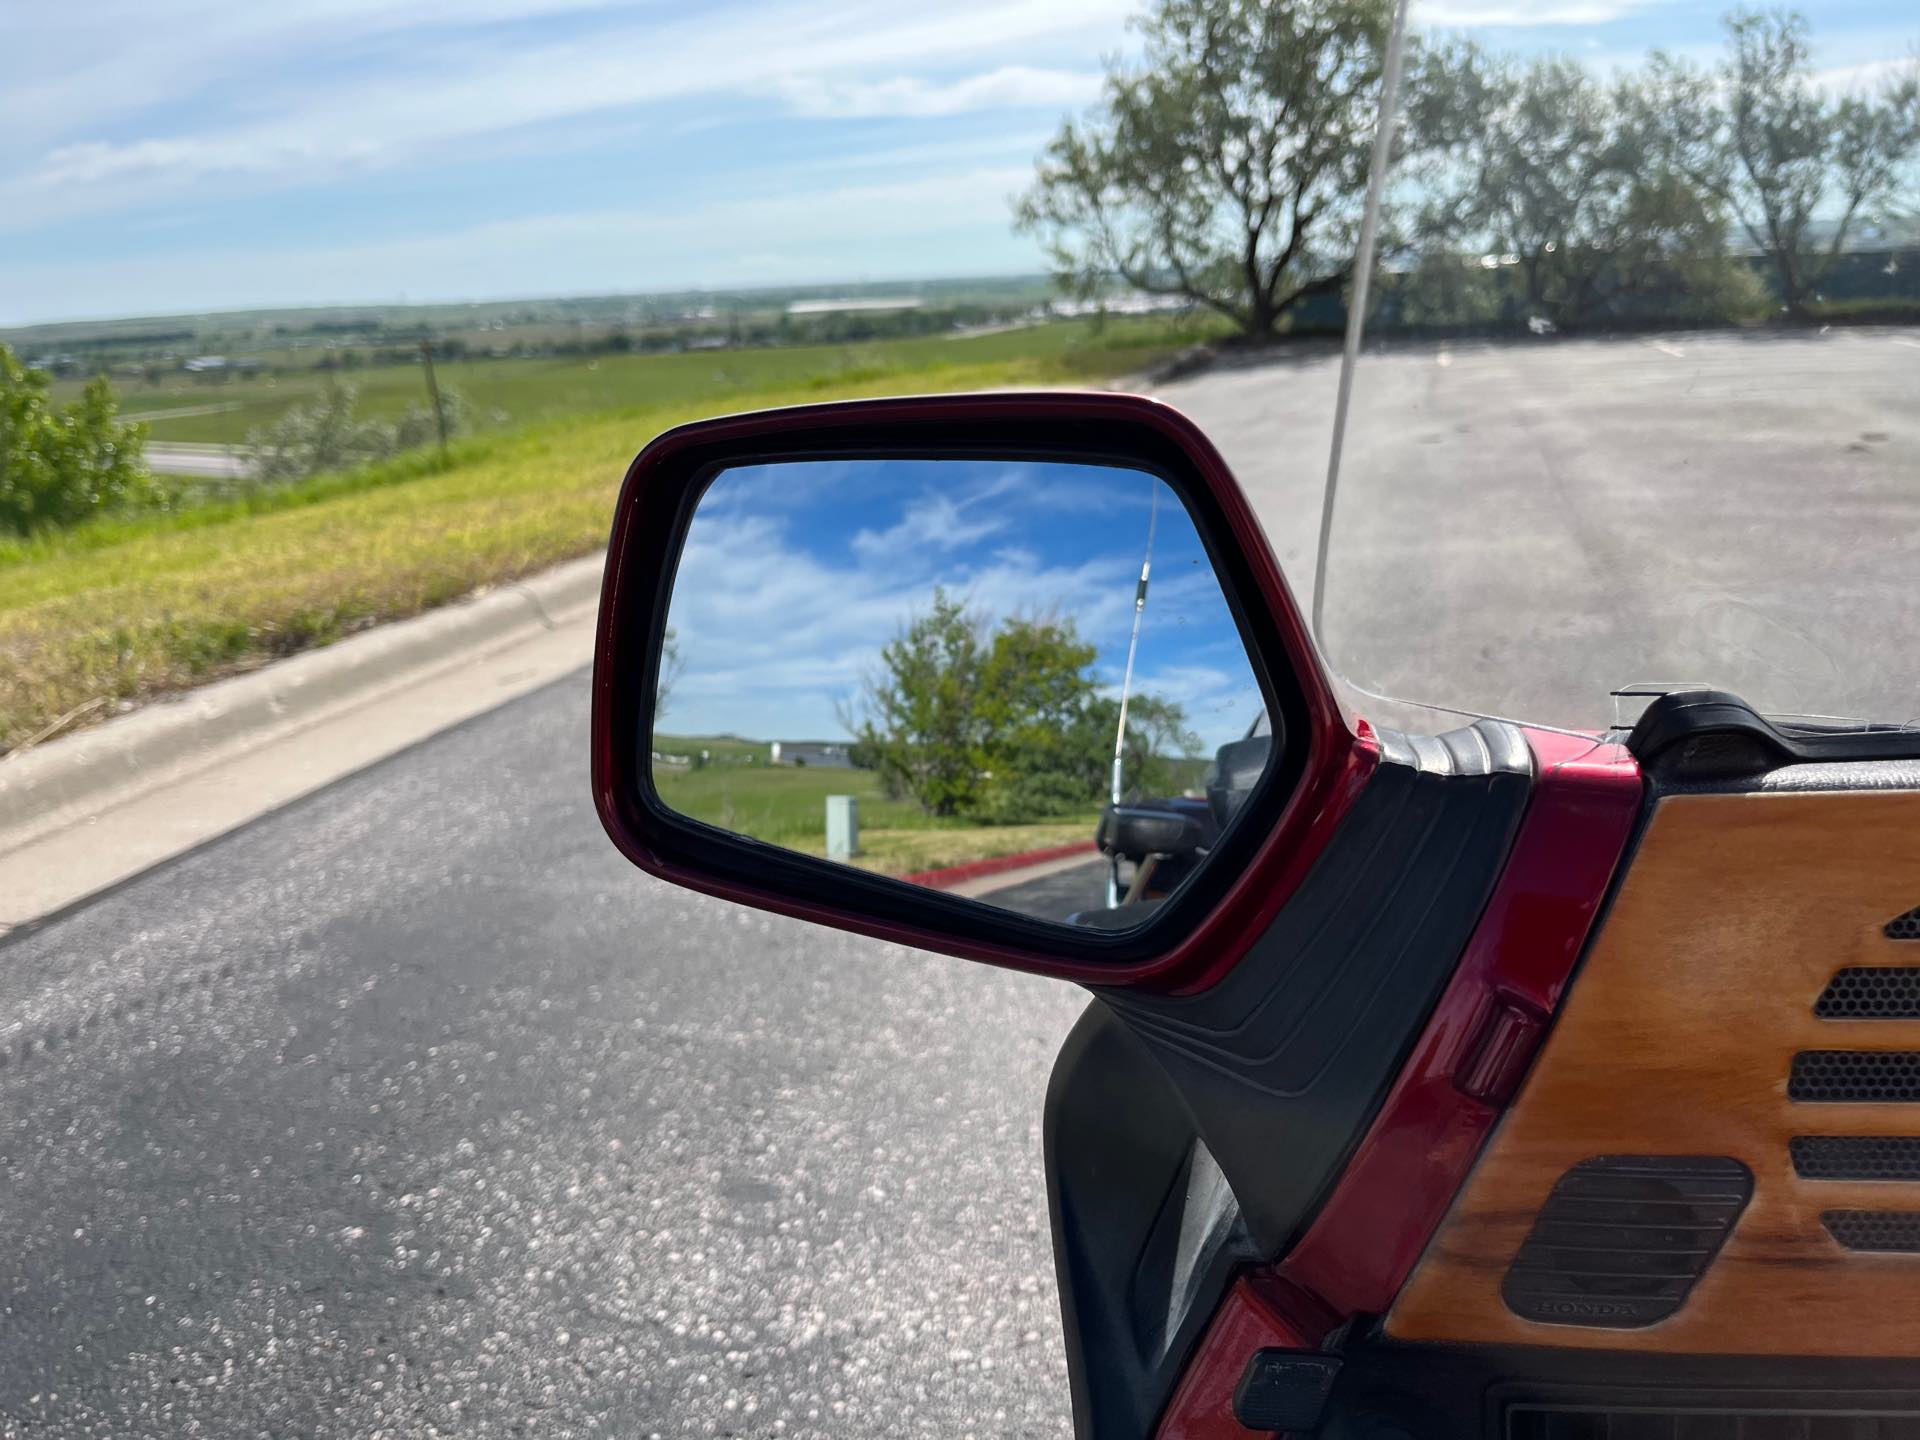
[(830, 753), (835, 307)]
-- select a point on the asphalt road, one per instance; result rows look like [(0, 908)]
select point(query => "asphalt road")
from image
[(411, 1110), (223, 461), (1057, 896)]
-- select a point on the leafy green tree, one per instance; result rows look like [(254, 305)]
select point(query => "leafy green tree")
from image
[(918, 729), (1560, 176), (1006, 723), (1229, 167), (61, 465), (1157, 739), (1036, 689), (1784, 158)]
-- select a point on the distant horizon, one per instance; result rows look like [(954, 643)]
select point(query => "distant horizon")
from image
[(10, 326)]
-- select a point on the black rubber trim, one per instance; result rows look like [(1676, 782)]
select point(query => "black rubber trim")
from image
[(1390, 1391), (1285, 1061), (1714, 733), (1146, 1233)]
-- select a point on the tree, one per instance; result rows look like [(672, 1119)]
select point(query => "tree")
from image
[(670, 664), (1036, 687), (1764, 139), (1006, 723), (1560, 176), (919, 730), (1230, 167), (61, 465)]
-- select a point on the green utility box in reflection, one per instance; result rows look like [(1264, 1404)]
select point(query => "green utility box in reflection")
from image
[(843, 827)]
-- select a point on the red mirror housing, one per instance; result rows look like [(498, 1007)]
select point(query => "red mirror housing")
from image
[(1324, 761)]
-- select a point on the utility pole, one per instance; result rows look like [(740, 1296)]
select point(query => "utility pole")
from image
[(433, 391)]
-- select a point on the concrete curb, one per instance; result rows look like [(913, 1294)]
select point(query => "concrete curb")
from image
[(52, 785)]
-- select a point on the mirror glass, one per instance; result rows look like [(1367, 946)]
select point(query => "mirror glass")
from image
[(921, 666)]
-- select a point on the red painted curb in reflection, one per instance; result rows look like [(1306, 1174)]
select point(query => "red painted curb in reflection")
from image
[(979, 869)]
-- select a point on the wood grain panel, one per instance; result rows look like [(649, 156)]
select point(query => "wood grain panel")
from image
[(1677, 1038)]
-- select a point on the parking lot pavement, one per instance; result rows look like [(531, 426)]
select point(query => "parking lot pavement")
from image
[(1523, 525)]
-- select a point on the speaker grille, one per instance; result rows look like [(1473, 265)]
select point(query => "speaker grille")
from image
[(1843, 1076), (1905, 927), (1856, 1157), (1871, 992), (1874, 1229), (1622, 1239)]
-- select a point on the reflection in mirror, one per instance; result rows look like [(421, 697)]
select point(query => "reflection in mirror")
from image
[(1017, 681)]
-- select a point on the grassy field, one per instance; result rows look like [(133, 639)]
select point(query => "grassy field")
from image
[(122, 610), (512, 393), (787, 805)]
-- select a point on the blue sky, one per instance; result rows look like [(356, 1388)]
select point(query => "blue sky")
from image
[(203, 154), (795, 576)]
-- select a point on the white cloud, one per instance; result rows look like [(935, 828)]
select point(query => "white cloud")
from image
[(423, 99), (780, 615), (1010, 87), (942, 222), (1523, 13)]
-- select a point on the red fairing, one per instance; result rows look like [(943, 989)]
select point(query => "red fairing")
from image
[(1492, 1015), (1259, 1313)]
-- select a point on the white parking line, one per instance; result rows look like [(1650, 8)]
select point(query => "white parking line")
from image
[(1665, 349), (1900, 340)]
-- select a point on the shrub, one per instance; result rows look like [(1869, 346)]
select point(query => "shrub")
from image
[(329, 435), (60, 466)]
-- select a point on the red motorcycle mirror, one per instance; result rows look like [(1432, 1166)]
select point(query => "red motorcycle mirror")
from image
[(1013, 677)]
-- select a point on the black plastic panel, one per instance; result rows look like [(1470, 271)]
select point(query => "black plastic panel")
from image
[(1146, 1231), (1711, 733), (1285, 1389), (1838, 1077), (1856, 1157), (1389, 1391), (1904, 926), (1540, 1422), (1284, 1062), (1871, 992), (1884, 1230), (1622, 1239)]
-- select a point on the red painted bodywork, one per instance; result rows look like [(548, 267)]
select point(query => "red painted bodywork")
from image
[(1340, 754), (1261, 1312), (1414, 1157)]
